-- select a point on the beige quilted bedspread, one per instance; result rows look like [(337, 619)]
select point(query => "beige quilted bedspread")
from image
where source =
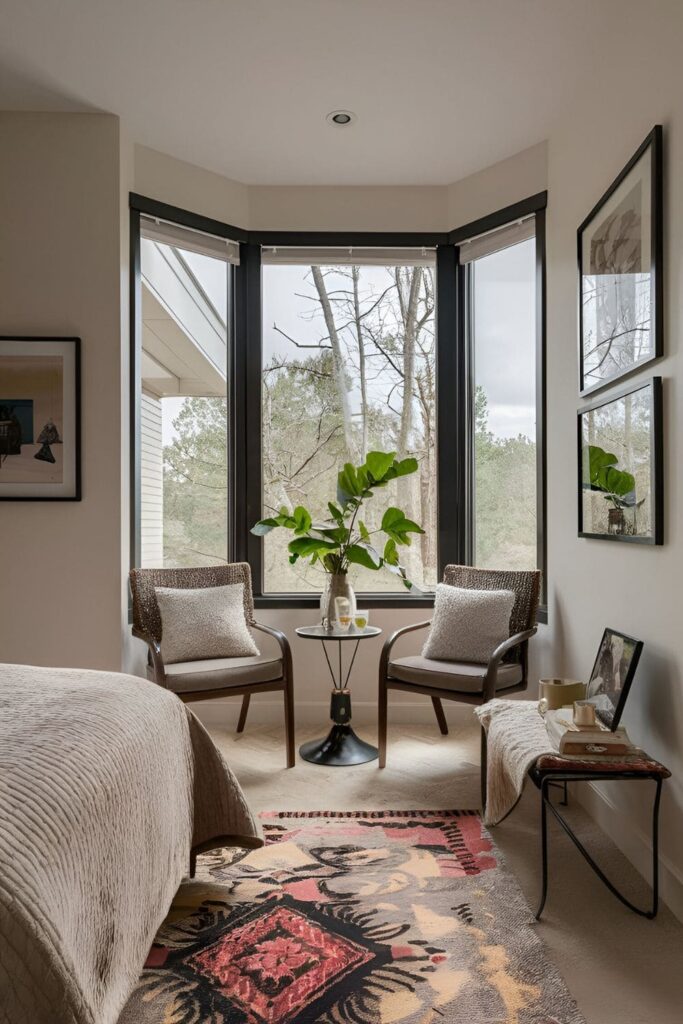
[(106, 781)]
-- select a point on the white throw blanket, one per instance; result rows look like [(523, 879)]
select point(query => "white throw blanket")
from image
[(516, 737), (106, 782)]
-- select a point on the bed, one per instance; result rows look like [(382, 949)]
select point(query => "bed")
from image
[(108, 787)]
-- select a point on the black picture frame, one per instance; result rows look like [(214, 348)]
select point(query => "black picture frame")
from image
[(68, 426), (651, 149), (610, 700), (656, 501)]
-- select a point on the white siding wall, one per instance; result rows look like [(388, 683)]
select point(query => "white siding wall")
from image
[(151, 484)]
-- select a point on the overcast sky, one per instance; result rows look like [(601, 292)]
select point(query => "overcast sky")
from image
[(504, 325)]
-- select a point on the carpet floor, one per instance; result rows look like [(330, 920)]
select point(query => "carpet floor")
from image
[(617, 966), (393, 917)]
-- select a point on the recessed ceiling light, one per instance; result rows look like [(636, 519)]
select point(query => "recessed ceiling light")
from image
[(341, 118)]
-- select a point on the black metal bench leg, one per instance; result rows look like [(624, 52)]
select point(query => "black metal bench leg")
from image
[(483, 769), (655, 851), (547, 804), (544, 848)]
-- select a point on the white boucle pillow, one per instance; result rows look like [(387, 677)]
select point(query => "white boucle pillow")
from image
[(208, 622), (468, 625)]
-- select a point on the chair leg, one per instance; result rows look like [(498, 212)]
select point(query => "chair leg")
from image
[(382, 722), (243, 713), (440, 716), (289, 723)]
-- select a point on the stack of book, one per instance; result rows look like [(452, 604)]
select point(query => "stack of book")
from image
[(587, 742)]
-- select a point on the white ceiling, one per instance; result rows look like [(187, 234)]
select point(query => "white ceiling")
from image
[(441, 88)]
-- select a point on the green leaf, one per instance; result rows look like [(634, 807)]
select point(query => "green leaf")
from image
[(391, 517), (379, 463), (348, 485), (336, 512), (339, 534), (361, 554), (390, 553), (306, 546), (603, 474), (404, 467), (617, 481), (396, 526), (302, 519), (363, 530), (263, 527)]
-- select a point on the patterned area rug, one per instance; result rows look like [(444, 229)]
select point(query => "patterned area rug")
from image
[(353, 918)]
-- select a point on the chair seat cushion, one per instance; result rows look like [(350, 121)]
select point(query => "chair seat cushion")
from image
[(459, 676), (221, 673)]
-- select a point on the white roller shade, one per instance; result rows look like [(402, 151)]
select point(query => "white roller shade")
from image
[(192, 241), (349, 257), (499, 238)]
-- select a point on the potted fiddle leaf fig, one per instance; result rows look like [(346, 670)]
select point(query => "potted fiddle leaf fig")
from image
[(343, 539), (617, 486)]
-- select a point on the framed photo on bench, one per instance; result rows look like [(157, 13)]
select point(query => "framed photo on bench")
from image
[(610, 681)]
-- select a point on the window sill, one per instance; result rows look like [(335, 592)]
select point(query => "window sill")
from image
[(364, 600)]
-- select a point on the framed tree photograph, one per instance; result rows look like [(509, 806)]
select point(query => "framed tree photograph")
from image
[(620, 466), (40, 422), (620, 273)]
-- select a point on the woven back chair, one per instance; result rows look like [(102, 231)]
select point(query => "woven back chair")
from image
[(146, 617), (213, 677), (524, 584), (506, 670)]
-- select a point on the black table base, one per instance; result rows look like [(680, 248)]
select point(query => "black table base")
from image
[(341, 746)]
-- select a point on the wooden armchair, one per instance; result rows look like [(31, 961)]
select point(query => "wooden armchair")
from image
[(213, 677), (465, 682)]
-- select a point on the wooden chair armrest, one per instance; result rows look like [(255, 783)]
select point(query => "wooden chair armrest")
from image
[(391, 640), (282, 640), (494, 661), (155, 655)]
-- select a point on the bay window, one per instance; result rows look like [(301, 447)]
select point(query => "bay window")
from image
[(263, 362)]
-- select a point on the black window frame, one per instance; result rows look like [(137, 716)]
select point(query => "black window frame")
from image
[(455, 407)]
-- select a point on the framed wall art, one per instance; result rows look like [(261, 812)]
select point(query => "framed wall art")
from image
[(620, 273), (40, 457), (613, 671), (620, 466)]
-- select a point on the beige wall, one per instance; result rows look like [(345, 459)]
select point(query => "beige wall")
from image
[(162, 177), (595, 583), (348, 209), (59, 275), (340, 208), (498, 186)]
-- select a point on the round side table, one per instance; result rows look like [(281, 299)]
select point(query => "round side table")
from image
[(341, 746)]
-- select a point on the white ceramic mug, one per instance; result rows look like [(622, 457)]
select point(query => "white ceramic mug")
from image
[(584, 712)]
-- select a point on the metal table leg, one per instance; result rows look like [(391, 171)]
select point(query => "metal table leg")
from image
[(546, 803)]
